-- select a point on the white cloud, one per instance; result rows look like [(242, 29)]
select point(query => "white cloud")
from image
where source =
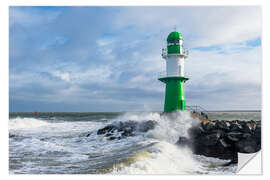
[(229, 25), (203, 26), (62, 75), (243, 66), (77, 75), (105, 41)]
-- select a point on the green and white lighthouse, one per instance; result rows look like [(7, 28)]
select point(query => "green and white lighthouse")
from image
[(174, 54)]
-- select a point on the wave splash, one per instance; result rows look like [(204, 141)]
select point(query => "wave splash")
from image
[(164, 157)]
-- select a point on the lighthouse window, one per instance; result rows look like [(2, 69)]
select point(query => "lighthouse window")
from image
[(175, 42)]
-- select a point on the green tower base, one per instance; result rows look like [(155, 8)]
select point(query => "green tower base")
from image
[(174, 96)]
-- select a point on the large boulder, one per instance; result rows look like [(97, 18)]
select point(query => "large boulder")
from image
[(246, 145), (234, 136), (109, 128), (221, 125)]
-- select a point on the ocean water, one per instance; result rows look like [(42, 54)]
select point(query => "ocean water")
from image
[(67, 143)]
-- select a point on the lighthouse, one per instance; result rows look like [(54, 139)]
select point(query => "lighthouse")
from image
[(174, 78)]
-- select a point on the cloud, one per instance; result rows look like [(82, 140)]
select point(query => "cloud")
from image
[(210, 25), (64, 76)]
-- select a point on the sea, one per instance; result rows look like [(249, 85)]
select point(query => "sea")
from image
[(68, 143)]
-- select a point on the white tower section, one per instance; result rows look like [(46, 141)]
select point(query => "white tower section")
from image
[(175, 55), (175, 65)]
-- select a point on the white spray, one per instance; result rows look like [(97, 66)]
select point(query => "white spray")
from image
[(164, 157)]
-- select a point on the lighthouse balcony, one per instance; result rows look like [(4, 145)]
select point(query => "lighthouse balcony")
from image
[(164, 74), (181, 52)]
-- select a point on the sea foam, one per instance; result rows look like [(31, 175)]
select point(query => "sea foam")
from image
[(25, 123)]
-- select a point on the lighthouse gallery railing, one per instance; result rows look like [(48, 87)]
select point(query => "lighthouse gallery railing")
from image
[(183, 51)]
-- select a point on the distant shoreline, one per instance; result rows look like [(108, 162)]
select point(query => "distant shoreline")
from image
[(236, 111)]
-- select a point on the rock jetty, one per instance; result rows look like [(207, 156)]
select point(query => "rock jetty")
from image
[(217, 138), (224, 139)]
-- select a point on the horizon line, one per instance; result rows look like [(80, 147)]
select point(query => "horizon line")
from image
[(125, 111)]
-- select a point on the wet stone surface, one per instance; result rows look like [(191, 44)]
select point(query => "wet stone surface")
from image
[(224, 139), (124, 129)]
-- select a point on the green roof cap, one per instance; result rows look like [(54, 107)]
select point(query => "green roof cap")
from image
[(174, 36)]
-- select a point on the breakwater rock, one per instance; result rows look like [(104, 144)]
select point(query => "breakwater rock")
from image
[(124, 129), (224, 139)]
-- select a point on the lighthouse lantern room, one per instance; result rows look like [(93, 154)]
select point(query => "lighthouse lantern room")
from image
[(174, 54)]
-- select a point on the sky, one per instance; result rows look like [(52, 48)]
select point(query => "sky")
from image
[(107, 59)]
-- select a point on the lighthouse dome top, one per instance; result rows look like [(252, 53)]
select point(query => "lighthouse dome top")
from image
[(174, 36)]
